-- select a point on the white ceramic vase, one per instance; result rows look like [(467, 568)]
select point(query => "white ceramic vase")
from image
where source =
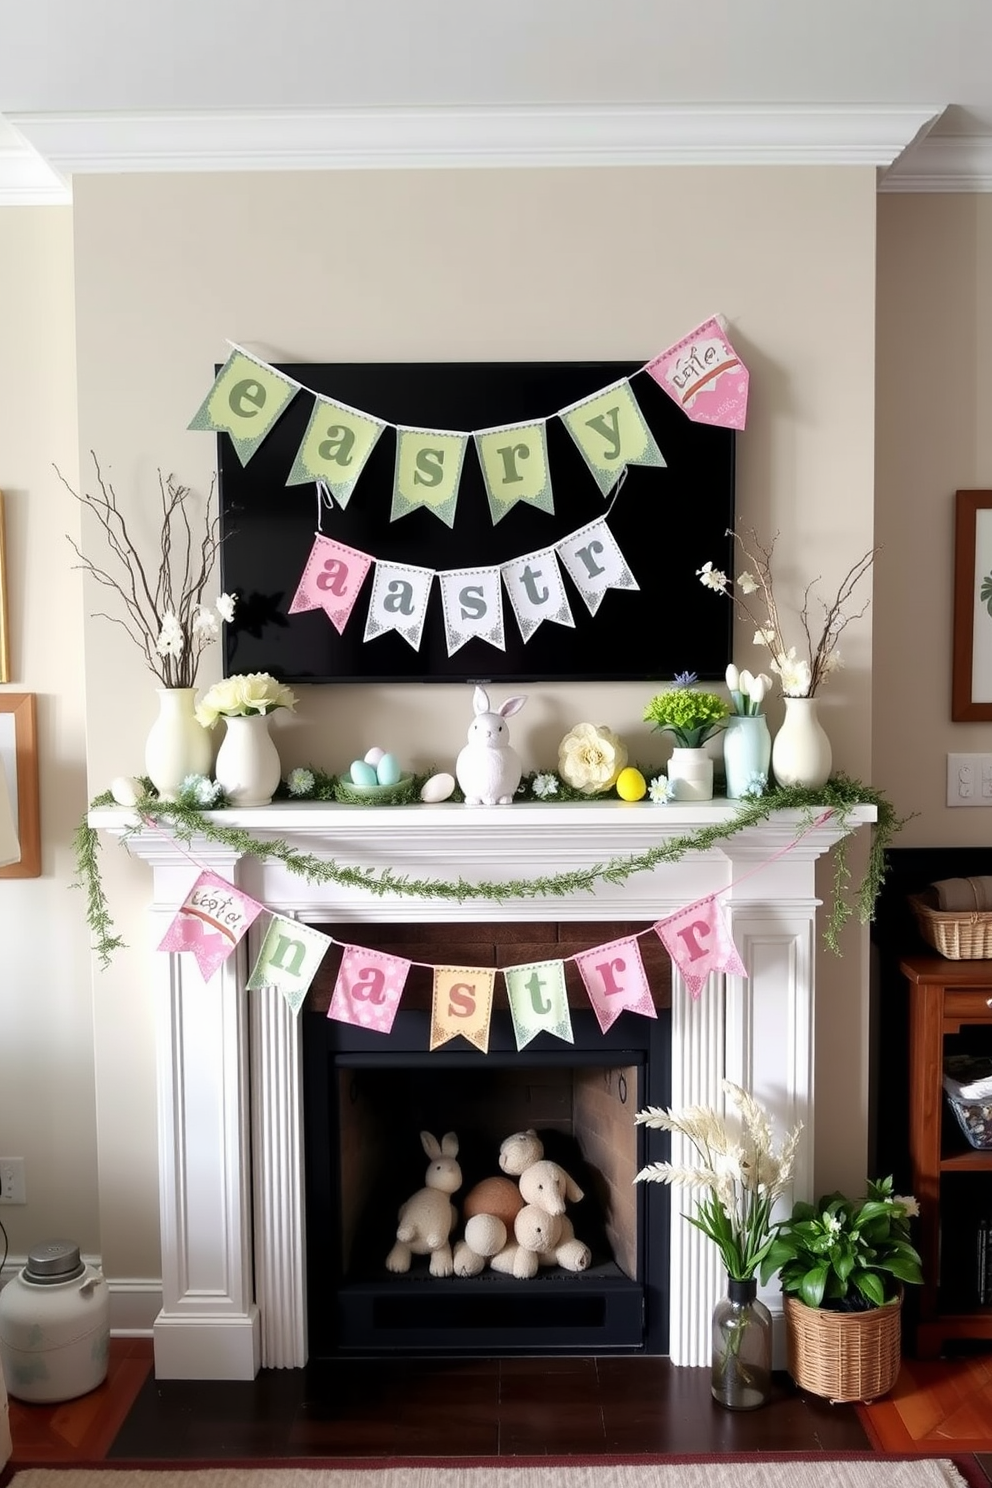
[(801, 753), (177, 745), (248, 765), (747, 748), (691, 772)]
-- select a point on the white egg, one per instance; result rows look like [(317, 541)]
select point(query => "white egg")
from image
[(374, 756), (437, 788), (126, 790)]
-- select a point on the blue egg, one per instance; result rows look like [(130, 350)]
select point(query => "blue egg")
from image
[(388, 770), (362, 774)]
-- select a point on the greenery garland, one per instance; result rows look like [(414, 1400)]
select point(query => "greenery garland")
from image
[(187, 821)]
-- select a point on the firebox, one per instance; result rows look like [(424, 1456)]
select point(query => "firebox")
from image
[(367, 1097)]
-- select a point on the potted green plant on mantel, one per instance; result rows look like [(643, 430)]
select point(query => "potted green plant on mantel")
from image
[(842, 1264), (691, 717)]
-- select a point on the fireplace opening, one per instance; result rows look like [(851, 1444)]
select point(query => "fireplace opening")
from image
[(367, 1098)]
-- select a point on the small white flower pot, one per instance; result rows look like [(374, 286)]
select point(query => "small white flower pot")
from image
[(691, 772)]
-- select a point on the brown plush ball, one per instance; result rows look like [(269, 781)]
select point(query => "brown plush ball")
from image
[(498, 1196)]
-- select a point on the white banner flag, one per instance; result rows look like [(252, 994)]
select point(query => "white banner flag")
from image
[(400, 593), (473, 606), (536, 591), (594, 563)]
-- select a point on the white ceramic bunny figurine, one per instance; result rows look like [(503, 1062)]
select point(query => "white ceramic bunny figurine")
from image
[(487, 769)]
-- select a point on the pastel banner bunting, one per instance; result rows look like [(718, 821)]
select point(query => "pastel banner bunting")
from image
[(616, 981), (705, 376), (335, 448), (428, 470), (536, 591), (699, 942), (399, 601), (594, 562), (368, 988), (473, 606), (463, 1004), (246, 399), (514, 462), (611, 434), (331, 580), (211, 920), (289, 958), (538, 1001)]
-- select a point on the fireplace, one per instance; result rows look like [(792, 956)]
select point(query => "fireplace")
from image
[(230, 1067), (367, 1096)]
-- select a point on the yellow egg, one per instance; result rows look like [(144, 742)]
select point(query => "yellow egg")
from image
[(631, 785)]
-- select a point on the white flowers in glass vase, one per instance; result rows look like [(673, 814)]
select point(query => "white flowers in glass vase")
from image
[(747, 693), (799, 675)]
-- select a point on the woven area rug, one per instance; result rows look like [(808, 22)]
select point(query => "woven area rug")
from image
[(860, 1472)]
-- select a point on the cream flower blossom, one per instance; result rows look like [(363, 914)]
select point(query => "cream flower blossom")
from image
[(238, 697), (590, 757)]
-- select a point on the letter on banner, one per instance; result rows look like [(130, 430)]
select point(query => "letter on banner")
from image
[(335, 448), (610, 431), (399, 601), (615, 980), (705, 376), (595, 563), (699, 942), (538, 1001), (331, 581), (210, 921), (289, 958), (514, 462), (536, 591), (473, 606), (246, 399), (368, 988), (463, 1003), (428, 470)]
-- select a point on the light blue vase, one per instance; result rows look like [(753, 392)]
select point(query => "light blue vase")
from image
[(747, 752)]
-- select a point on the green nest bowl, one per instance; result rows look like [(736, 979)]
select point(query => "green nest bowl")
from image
[(401, 794)]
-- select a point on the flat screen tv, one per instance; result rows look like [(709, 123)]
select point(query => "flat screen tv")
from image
[(667, 522)]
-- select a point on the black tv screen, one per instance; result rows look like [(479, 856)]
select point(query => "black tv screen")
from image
[(667, 522)]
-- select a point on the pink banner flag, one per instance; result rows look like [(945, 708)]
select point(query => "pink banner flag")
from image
[(699, 942), (705, 377), (331, 581), (368, 989), (616, 981), (213, 917)]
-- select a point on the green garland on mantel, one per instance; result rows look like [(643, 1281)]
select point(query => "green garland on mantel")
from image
[(841, 794)]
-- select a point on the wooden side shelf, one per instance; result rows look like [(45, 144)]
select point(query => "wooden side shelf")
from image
[(951, 1180)]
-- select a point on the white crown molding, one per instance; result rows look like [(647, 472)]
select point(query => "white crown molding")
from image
[(26, 180), (943, 162), (391, 138)]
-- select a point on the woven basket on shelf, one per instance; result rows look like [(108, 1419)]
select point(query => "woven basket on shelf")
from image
[(960, 935), (843, 1355)]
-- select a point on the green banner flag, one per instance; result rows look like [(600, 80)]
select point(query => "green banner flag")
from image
[(428, 470), (610, 431), (538, 1001), (514, 462), (289, 958), (246, 399), (335, 448)]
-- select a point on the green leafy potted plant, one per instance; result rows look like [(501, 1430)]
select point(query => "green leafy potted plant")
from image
[(691, 717), (842, 1264)]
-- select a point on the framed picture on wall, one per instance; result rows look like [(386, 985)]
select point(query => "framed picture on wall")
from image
[(971, 670), (19, 764), (4, 637)]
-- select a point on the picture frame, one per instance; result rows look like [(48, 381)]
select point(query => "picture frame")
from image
[(971, 661), (4, 630), (19, 760)]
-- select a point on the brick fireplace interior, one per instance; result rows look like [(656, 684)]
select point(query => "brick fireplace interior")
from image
[(366, 1098)]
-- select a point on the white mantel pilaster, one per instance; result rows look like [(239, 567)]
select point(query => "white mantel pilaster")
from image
[(230, 1124)]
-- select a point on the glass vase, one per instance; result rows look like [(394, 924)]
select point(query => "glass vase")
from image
[(742, 1348), (747, 750)]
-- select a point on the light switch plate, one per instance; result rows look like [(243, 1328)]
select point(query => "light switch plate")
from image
[(969, 780)]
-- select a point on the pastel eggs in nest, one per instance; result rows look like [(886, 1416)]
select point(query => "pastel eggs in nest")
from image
[(377, 768)]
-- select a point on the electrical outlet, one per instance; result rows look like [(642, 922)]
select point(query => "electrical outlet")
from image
[(969, 780), (12, 1190)]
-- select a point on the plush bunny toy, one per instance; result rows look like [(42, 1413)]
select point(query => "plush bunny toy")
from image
[(427, 1219), (487, 769)]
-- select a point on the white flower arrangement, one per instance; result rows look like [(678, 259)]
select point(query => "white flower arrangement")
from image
[(661, 790), (165, 616), (590, 757), (243, 696), (747, 693), (800, 676)]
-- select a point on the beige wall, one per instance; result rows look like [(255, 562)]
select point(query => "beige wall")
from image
[(934, 437), (46, 1025), (609, 264)]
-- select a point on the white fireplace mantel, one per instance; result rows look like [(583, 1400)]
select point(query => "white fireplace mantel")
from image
[(229, 1077)]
